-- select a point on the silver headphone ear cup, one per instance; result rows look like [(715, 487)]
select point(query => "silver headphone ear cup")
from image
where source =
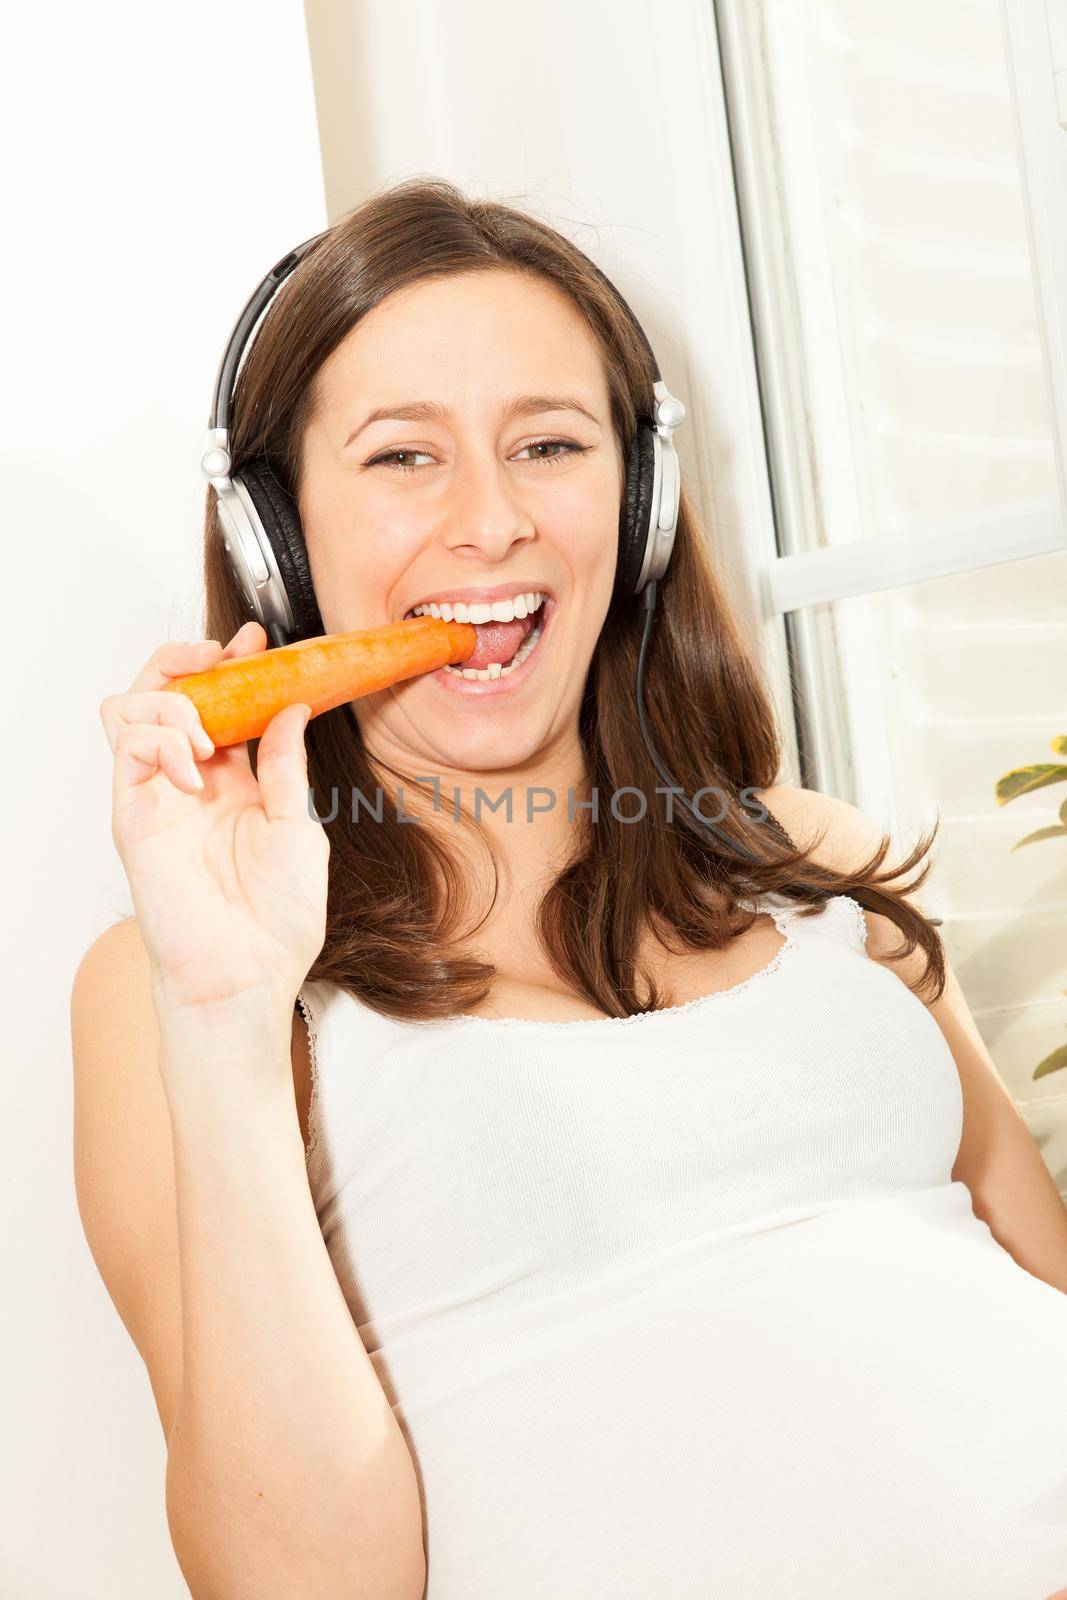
[(280, 522), (663, 511), (636, 529), (252, 558)]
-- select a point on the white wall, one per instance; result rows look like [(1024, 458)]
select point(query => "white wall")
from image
[(157, 162)]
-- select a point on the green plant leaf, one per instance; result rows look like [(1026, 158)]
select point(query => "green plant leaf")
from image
[(1052, 1063), (1055, 831), (1024, 780)]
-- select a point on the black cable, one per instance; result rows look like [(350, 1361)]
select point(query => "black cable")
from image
[(648, 603)]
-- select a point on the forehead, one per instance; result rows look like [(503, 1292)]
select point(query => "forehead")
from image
[(484, 333)]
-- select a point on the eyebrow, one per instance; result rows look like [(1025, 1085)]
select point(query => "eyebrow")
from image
[(525, 405)]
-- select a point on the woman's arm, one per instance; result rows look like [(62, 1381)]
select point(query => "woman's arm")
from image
[(287, 1472), (1011, 1187)]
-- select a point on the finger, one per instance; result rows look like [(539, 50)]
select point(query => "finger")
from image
[(142, 749), (174, 710), (178, 657), (250, 639), (175, 659), (281, 765)]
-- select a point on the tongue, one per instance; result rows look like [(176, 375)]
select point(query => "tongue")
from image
[(498, 641)]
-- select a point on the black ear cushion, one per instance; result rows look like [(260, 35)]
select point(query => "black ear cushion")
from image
[(636, 510), (281, 523)]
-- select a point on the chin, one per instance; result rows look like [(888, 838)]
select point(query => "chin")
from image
[(486, 750)]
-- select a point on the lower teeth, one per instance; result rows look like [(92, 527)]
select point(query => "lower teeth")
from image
[(495, 670)]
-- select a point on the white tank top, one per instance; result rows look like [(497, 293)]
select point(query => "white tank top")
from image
[(688, 1304)]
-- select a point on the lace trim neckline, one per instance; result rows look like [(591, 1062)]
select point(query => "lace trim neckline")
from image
[(783, 920)]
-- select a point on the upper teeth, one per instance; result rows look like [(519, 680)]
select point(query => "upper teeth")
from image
[(519, 605)]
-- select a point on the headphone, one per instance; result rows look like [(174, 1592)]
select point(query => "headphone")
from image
[(261, 525), (265, 544)]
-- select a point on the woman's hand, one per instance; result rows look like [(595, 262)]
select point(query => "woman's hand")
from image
[(229, 879)]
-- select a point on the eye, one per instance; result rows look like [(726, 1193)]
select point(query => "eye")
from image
[(388, 458), (392, 458), (567, 445)]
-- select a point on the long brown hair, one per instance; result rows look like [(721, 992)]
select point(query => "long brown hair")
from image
[(397, 895)]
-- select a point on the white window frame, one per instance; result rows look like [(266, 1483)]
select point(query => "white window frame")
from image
[(803, 399)]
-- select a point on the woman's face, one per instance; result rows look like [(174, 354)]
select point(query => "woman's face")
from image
[(510, 484)]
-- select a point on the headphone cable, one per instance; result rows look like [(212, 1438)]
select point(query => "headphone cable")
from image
[(648, 604)]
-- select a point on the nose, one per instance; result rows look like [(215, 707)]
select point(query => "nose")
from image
[(486, 516)]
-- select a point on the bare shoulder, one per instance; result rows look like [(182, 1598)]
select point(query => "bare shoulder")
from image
[(116, 968), (123, 1155), (123, 1151), (121, 942), (841, 836), (111, 996)]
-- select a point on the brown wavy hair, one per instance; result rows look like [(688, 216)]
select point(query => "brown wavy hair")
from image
[(397, 897)]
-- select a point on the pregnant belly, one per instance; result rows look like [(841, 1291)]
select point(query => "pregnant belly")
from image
[(869, 1402)]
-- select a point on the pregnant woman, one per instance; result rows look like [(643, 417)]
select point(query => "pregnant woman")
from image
[(515, 1187)]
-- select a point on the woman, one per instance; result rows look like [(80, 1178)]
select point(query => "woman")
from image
[(600, 1220)]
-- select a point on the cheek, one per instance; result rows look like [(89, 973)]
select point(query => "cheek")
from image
[(587, 528), (356, 562)]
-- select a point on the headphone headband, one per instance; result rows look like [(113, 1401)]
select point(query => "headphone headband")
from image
[(261, 524), (265, 290), (257, 303)]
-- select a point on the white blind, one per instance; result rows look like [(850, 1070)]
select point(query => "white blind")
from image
[(901, 353)]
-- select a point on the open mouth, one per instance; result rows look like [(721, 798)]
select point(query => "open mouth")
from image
[(505, 643)]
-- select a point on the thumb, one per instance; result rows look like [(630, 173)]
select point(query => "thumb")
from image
[(281, 765)]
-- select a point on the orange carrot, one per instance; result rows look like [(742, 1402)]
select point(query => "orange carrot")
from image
[(238, 698)]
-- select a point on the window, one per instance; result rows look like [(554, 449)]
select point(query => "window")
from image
[(907, 400)]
